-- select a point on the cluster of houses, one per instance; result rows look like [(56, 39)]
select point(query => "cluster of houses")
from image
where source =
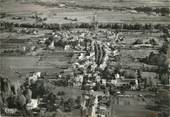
[(95, 105), (79, 39), (95, 51)]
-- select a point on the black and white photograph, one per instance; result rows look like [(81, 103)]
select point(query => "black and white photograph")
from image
[(84, 58)]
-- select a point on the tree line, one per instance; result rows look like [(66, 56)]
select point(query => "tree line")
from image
[(65, 26), (162, 11)]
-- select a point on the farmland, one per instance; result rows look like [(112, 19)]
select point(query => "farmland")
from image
[(86, 56), (57, 14)]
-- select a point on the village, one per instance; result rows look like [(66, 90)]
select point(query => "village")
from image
[(83, 69)]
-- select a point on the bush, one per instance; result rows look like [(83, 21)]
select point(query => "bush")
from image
[(164, 48), (61, 93), (138, 41), (164, 78), (65, 26)]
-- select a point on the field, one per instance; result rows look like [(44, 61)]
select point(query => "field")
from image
[(56, 14), (52, 64), (24, 51), (31, 64), (113, 3)]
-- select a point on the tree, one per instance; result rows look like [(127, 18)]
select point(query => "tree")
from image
[(166, 31), (153, 42), (39, 88), (68, 105), (162, 103), (139, 76), (164, 78), (163, 100), (138, 41), (158, 59), (164, 11), (78, 101)]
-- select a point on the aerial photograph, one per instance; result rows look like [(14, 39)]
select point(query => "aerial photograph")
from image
[(84, 58)]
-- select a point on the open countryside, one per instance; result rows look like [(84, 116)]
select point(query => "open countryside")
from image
[(84, 58)]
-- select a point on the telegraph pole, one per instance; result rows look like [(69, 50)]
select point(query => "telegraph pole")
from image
[(94, 21)]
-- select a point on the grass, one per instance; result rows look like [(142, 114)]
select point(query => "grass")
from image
[(139, 53), (27, 64), (112, 3), (56, 15), (50, 63), (133, 111)]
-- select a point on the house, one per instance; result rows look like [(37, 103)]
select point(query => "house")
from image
[(125, 82), (33, 104), (104, 81), (117, 76), (51, 46), (102, 111), (114, 82), (61, 5), (116, 52), (10, 110), (81, 57), (79, 80), (34, 77), (66, 47), (133, 11), (142, 45)]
